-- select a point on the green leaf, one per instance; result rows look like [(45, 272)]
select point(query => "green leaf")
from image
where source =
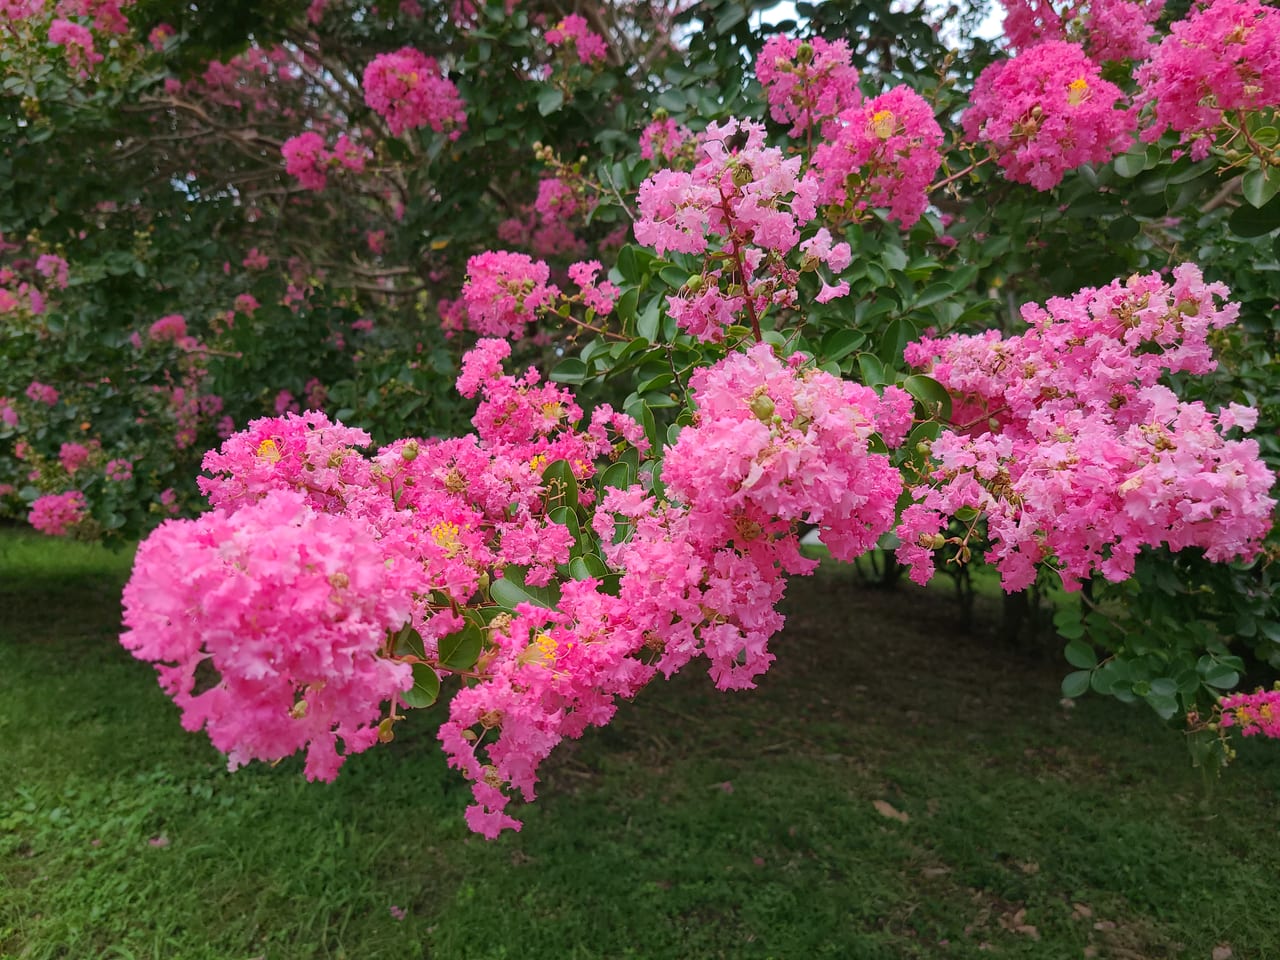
[(673, 276), (569, 370), (1248, 221), (935, 293), (560, 486), (647, 322), (550, 100), (871, 368), (510, 590), (732, 15), (1066, 621), (842, 343), (408, 642), (588, 567), (1081, 654), (619, 475), (1258, 187), (1163, 704), (1075, 684), (1131, 164), (425, 689), (460, 650), (931, 395), (1221, 676), (1123, 228)]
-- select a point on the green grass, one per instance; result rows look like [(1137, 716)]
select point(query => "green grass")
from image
[(697, 825)]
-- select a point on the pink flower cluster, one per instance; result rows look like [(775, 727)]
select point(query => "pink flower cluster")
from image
[(409, 90), (107, 15), (599, 295), (1121, 29), (307, 158), (172, 328), (1225, 57), (573, 32), (291, 607), (21, 296), (773, 446), (38, 392), (807, 82), (1109, 29), (1071, 448), (504, 291), (53, 268), (316, 554), (73, 456), (883, 153), (754, 202), (1254, 714), (662, 139), (78, 44), (55, 514), (1046, 111)]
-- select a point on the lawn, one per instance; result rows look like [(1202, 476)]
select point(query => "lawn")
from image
[(893, 789)]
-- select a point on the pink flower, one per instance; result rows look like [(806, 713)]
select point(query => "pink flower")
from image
[(39, 392), (159, 36), (504, 291), (409, 91), (662, 139), (573, 31), (807, 82), (305, 157), (255, 260), (891, 143), (285, 403), (1046, 111), (171, 328), (350, 154), (1253, 714), (289, 608), (54, 268), (56, 513), (1071, 446), (1224, 57), (73, 456), (119, 470), (78, 42), (599, 296)]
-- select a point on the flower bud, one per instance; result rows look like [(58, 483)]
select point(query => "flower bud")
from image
[(804, 53), (410, 451), (762, 407), (385, 733)]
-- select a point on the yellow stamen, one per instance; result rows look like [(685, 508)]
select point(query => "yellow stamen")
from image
[(1076, 91), (445, 535), (883, 124), (542, 650), (269, 450)]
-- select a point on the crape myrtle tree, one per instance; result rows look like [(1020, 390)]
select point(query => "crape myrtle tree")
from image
[(702, 286)]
